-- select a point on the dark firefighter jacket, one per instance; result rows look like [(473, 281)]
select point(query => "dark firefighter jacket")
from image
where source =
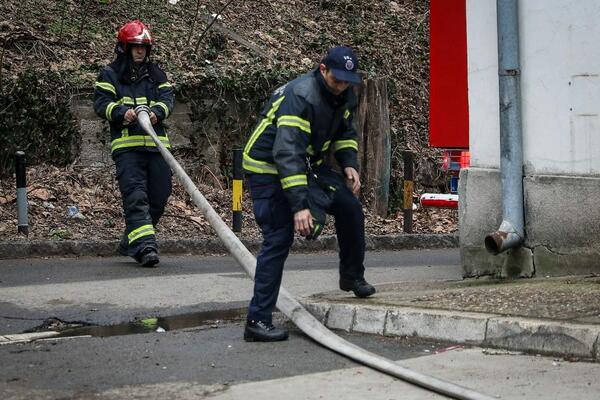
[(299, 126), (113, 96)]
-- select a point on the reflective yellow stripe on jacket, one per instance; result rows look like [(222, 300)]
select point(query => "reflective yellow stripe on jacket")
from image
[(343, 144), (292, 120), (161, 105), (294, 180), (107, 86), (137, 141), (257, 166), (109, 109)]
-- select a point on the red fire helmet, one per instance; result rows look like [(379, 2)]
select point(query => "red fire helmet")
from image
[(134, 32)]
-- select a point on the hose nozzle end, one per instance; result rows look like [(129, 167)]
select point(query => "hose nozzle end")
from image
[(140, 109)]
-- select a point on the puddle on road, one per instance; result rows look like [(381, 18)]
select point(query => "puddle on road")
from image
[(157, 324)]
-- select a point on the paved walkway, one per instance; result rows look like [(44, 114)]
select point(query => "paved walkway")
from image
[(555, 316)]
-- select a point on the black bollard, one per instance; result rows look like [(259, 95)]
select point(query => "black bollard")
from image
[(21, 164), (237, 190)]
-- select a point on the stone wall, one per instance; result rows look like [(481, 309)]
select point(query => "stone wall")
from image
[(92, 148)]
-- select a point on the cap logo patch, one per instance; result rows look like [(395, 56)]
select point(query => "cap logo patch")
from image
[(349, 65)]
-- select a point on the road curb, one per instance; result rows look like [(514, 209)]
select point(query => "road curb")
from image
[(529, 335), (212, 245)]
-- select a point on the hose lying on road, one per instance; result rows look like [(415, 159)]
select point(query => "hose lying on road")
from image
[(290, 306)]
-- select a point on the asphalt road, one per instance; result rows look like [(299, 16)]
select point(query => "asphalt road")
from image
[(211, 360), (206, 356), (115, 290)]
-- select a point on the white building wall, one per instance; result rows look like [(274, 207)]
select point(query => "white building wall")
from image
[(560, 84)]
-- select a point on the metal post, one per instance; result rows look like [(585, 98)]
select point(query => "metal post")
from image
[(21, 164), (407, 191), (237, 190)]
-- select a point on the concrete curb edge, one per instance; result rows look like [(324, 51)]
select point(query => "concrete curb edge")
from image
[(488, 330), (212, 245)]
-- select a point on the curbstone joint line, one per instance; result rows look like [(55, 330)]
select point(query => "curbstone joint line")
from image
[(551, 337), (492, 330)]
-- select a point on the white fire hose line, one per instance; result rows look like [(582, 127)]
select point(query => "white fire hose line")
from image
[(290, 306)]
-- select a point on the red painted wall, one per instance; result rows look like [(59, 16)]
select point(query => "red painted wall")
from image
[(448, 101)]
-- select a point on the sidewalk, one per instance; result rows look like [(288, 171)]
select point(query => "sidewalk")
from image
[(552, 316)]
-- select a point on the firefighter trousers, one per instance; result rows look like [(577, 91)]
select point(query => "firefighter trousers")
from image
[(145, 184), (276, 221)]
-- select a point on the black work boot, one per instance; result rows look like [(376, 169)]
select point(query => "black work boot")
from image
[(360, 287), (123, 245), (259, 331), (149, 258)]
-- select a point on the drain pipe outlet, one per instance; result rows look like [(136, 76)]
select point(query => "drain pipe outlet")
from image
[(512, 230)]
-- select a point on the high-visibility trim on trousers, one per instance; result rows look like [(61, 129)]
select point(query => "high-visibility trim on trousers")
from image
[(144, 230)]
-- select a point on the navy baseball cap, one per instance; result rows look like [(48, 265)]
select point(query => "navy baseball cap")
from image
[(343, 64)]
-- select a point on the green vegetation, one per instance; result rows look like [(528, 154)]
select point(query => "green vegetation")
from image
[(35, 117)]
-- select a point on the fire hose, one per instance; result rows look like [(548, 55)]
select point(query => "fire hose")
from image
[(290, 306)]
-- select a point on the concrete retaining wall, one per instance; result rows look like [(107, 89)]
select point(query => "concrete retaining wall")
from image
[(561, 223)]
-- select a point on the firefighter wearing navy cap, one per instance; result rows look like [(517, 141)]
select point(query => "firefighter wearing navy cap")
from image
[(144, 177), (293, 188)]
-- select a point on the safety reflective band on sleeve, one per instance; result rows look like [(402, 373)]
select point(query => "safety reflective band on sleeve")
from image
[(109, 109), (128, 101), (292, 120), (165, 85), (263, 124), (141, 101), (259, 167), (137, 141), (311, 151), (144, 230), (107, 86), (346, 114), (294, 180), (344, 144), (161, 105)]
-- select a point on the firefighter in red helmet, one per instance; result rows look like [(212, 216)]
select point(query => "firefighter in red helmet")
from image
[(144, 177)]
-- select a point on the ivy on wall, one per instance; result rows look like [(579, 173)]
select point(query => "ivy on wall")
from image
[(35, 117)]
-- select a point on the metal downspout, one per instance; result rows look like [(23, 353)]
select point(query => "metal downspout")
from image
[(512, 230)]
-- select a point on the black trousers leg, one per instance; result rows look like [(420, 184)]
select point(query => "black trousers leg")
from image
[(350, 230), (159, 186), (132, 174), (274, 216)]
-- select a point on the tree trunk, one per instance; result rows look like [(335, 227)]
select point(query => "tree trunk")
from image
[(373, 129)]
